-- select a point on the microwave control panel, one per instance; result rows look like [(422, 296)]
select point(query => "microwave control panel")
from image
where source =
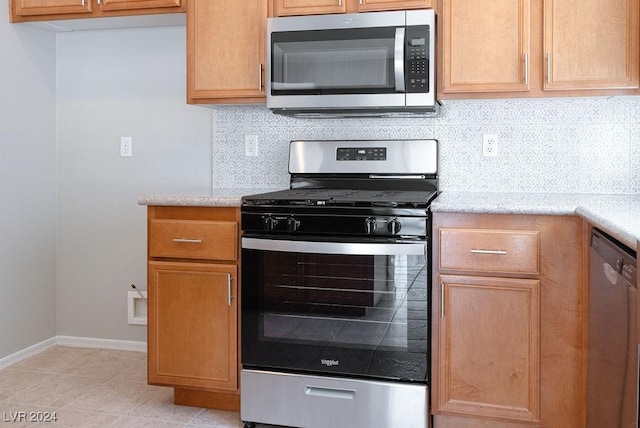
[(417, 59)]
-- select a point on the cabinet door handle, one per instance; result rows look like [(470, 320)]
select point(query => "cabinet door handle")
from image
[(187, 241), (260, 77), (498, 252), (339, 2), (548, 68), (526, 69), (229, 296), (442, 300)]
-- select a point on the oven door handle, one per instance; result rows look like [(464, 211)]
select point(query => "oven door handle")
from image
[(346, 248)]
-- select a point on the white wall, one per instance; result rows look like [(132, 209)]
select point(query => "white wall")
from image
[(113, 83), (27, 185)]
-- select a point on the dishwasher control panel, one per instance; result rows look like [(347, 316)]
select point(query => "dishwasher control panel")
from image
[(620, 257)]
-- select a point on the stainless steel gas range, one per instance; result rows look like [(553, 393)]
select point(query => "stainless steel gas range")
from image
[(335, 288)]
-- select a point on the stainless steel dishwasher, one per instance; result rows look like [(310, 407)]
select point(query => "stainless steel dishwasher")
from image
[(612, 360)]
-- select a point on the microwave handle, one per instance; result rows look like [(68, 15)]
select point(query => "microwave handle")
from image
[(398, 59)]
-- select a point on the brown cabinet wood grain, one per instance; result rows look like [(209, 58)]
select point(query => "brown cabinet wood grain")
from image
[(508, 339), (226, 51), (318, 7), (193, 325), (485, 49), (193, 292), (538, 48), (193, 239), (46, 10), (305, 7), (491, 333), (591, 44), (482, 250)]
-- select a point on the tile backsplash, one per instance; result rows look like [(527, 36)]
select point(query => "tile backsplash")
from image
[(560, 145)]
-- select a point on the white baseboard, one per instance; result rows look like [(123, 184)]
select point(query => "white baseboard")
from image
[(78, 342), (89, 342), (26, 353)]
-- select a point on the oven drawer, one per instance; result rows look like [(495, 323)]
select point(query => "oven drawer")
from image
[(489, 250), (193, 239)]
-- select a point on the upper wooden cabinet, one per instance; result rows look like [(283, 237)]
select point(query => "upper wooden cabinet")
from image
[(45, 10), (485, 49), (317, 7), (305, 7), (226, 51), (537, 48), (136, 4), (591, 44)]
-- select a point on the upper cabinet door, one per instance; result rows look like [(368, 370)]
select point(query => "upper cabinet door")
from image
[(372, 5), (591, 44), (136, 4), (306, 7), (50, 7), (226, 51), (485, 49)]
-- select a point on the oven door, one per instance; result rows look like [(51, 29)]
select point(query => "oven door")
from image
[(342, 308)]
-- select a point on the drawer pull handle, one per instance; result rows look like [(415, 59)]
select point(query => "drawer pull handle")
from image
[(187, 241), (498, 252)]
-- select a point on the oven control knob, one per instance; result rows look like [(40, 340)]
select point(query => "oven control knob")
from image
[(292, 224), (394, 226), (370, 225), (269, 223)]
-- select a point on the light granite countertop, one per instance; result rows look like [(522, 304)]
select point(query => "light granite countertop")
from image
[(220, 197), (618, 215)]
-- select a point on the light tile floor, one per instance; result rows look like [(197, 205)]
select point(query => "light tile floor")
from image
[(95, 388)]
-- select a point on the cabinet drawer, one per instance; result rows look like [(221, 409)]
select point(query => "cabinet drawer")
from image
[(188, 239), (489, 250)]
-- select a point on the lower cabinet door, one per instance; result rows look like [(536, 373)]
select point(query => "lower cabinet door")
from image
[(192, 325), (489, 347)]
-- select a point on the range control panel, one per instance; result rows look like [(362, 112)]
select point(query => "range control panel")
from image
[(361, 154)]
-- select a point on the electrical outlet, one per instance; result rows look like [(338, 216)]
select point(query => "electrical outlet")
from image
[(125, 147), (490, 145), (251, 145)]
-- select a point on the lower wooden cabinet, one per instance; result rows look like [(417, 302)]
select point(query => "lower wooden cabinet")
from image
[(489, 347), (192, 321), (508, 309), (193, 306)]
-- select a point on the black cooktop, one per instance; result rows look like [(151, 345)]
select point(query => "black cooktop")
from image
[(343, 197)]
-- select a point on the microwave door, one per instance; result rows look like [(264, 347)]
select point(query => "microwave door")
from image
[(349, 68)]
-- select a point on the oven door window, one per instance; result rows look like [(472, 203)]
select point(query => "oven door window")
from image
[(347, 61), (358, 312)]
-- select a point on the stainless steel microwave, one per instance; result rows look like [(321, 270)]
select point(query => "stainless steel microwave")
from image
[(377, 63)]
